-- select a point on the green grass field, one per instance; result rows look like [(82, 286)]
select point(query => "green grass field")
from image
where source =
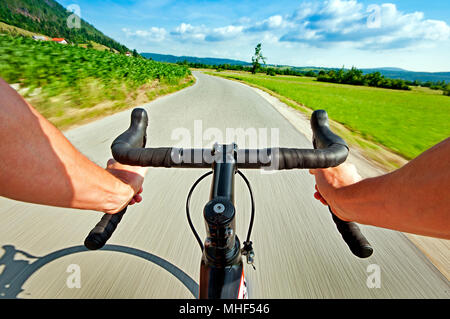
[(407, 122)]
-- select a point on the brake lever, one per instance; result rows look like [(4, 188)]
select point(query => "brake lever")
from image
[(249, 253)]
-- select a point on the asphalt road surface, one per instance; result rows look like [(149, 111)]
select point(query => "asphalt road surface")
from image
[(153, 254)]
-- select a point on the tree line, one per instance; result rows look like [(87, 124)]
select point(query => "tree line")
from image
[(355, 76), (376, 79), (249, 68)]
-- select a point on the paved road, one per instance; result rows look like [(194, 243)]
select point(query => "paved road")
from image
[(153, 254)]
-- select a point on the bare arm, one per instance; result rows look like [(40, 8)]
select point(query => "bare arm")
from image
[(414, 198), (39, 165)]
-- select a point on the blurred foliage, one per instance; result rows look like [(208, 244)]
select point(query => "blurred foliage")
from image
[(68, 84), (55, 66)]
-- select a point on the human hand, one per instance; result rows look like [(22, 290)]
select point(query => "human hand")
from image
[(330, 180), (131, 175)]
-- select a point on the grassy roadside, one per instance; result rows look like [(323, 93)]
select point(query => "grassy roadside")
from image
[(412, 122), (65, 113)]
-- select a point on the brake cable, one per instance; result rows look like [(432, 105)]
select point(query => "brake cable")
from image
[(188, 201), (247, 250)]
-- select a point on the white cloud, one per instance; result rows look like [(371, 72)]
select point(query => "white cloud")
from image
[(184, 28), (324, 24), (187, 31), (375, 27), (271, 23), (153, 34), (224, 33), (244, 20)]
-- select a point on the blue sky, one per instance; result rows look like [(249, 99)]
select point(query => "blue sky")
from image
[(410, 34)]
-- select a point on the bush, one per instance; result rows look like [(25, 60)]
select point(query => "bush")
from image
[(447, 91), (271, 72), (310, 74)]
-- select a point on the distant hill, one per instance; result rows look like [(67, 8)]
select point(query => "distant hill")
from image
[(395, 73), (388, 69), (174, 59), (389, 72), (50, 18)]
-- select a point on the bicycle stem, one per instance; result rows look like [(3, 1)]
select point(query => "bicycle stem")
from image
[(222, 246)]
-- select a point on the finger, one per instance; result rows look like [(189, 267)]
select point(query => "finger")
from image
[(137, 198), (312, 171), (132, 202), (320, 198), (140, 191), (110, 163)]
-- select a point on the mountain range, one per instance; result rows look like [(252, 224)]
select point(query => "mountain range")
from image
[(174, 59)]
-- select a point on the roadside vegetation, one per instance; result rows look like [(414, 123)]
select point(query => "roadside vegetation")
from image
[(70, 84), (406, 122), (356, 77)]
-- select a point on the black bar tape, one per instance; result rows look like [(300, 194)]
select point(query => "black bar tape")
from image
[(324, 138), (291, 158), (100, 234), (125, 150), (127, 147), (352, 235)]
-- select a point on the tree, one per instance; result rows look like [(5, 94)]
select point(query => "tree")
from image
[(256, 58)]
